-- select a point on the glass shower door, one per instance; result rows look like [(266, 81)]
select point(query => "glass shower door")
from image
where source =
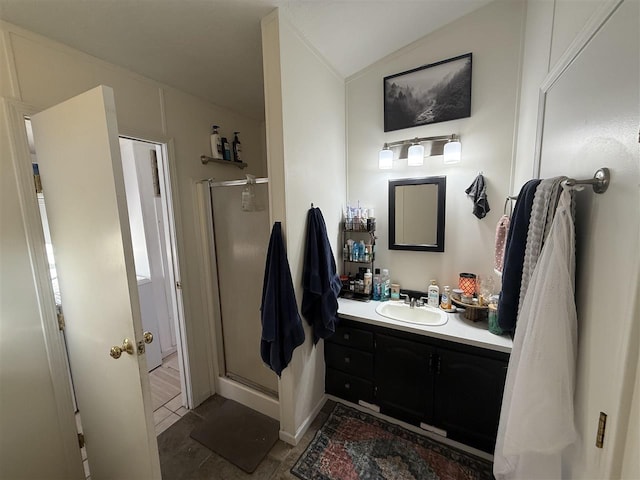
[(241, 241)]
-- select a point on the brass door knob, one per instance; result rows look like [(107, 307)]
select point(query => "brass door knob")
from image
[(127, 346), (148, 337)]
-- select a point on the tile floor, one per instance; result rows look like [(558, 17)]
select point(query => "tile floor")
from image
[(182, 458), (165, 394)]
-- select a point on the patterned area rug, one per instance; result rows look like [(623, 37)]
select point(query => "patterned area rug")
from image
[(353, 445)]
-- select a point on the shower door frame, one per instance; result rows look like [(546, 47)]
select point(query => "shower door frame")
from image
[(253, 396)]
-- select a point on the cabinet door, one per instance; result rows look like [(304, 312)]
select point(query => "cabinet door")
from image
[(469, 395), (403, 379), (348, 386)]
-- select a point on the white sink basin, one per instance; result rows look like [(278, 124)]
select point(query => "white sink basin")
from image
[(420, 315)]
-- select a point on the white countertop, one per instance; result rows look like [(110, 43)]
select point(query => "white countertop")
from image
[(457, 329)]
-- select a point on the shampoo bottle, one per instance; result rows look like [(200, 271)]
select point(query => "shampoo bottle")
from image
[(226, 151), (216, 143), (433, 295), (237, 148)]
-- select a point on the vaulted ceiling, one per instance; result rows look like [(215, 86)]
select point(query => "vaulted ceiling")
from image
[(212, 48)]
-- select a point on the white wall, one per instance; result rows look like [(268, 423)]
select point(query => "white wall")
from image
[(41, 73), (493, 35), (306, 158)]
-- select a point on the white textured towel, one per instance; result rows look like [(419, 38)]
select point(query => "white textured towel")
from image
[(542, 212), (537, 415)]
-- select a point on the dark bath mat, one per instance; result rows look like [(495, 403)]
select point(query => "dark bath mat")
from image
[(239, 434)]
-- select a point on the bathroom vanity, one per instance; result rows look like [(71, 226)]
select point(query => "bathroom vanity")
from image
[(447, 379)]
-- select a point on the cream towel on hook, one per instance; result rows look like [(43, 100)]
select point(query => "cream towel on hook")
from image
[(537, 417)]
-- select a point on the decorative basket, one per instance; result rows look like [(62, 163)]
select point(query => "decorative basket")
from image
[(473, 312)]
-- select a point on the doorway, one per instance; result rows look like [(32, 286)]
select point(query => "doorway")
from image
[(152, 231)]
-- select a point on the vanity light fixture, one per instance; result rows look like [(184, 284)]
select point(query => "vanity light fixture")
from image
[(385, 158), (452, 150), (415, 153)]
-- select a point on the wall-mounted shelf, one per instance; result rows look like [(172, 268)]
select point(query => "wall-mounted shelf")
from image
[(204, 159)]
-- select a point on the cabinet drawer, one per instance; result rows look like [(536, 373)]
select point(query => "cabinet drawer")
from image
[(349, 360), (352, 337), (347, 386)]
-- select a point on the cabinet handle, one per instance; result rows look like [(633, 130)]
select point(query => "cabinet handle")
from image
[(346, 336), (431, 355), (438, 362), (347, 359), (347, 386)]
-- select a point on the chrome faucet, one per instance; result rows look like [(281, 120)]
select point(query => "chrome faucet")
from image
[(412, 303)]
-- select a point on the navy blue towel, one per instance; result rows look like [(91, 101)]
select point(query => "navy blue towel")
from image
[(320, 280), (514, 257), (282, 329)]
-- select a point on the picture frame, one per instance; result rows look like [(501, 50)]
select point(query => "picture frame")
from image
[(432, 93)]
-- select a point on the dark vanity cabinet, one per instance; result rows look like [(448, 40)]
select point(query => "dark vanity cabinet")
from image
[(418, 379)]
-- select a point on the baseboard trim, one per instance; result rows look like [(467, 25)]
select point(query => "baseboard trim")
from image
[(304, 426), (248, 397)]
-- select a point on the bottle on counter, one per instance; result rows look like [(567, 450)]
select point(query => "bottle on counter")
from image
[(385, 293), (377, 286), (445, 303), (433, 295), (367, 281)]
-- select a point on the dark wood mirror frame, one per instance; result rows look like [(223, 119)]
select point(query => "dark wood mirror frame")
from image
[(438, 246)]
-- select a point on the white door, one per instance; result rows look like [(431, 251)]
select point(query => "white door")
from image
[(81, 171)]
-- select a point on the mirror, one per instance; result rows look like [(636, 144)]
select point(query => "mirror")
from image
[(416, 214)]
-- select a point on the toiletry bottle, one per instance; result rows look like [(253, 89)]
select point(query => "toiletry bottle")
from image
[(226, 151), (445, 303), (376, 285), (433, 295), (237, 148), (385, 292), (367, 281), (362, 250), (216, 143)]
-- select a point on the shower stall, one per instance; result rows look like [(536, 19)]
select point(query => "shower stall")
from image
[(236, 217)]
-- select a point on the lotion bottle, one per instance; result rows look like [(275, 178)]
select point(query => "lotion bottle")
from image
[(433, 295), (216, 143)]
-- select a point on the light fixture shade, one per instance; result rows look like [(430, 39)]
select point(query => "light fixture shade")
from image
[(385, 159), (452, 151), (415, 156)]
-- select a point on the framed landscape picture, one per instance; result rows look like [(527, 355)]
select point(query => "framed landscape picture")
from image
[(429, 94)]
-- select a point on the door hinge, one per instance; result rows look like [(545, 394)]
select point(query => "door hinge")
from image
[(602, 424), (179, 285), (81, 440), (60, 316), (36, 178)]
